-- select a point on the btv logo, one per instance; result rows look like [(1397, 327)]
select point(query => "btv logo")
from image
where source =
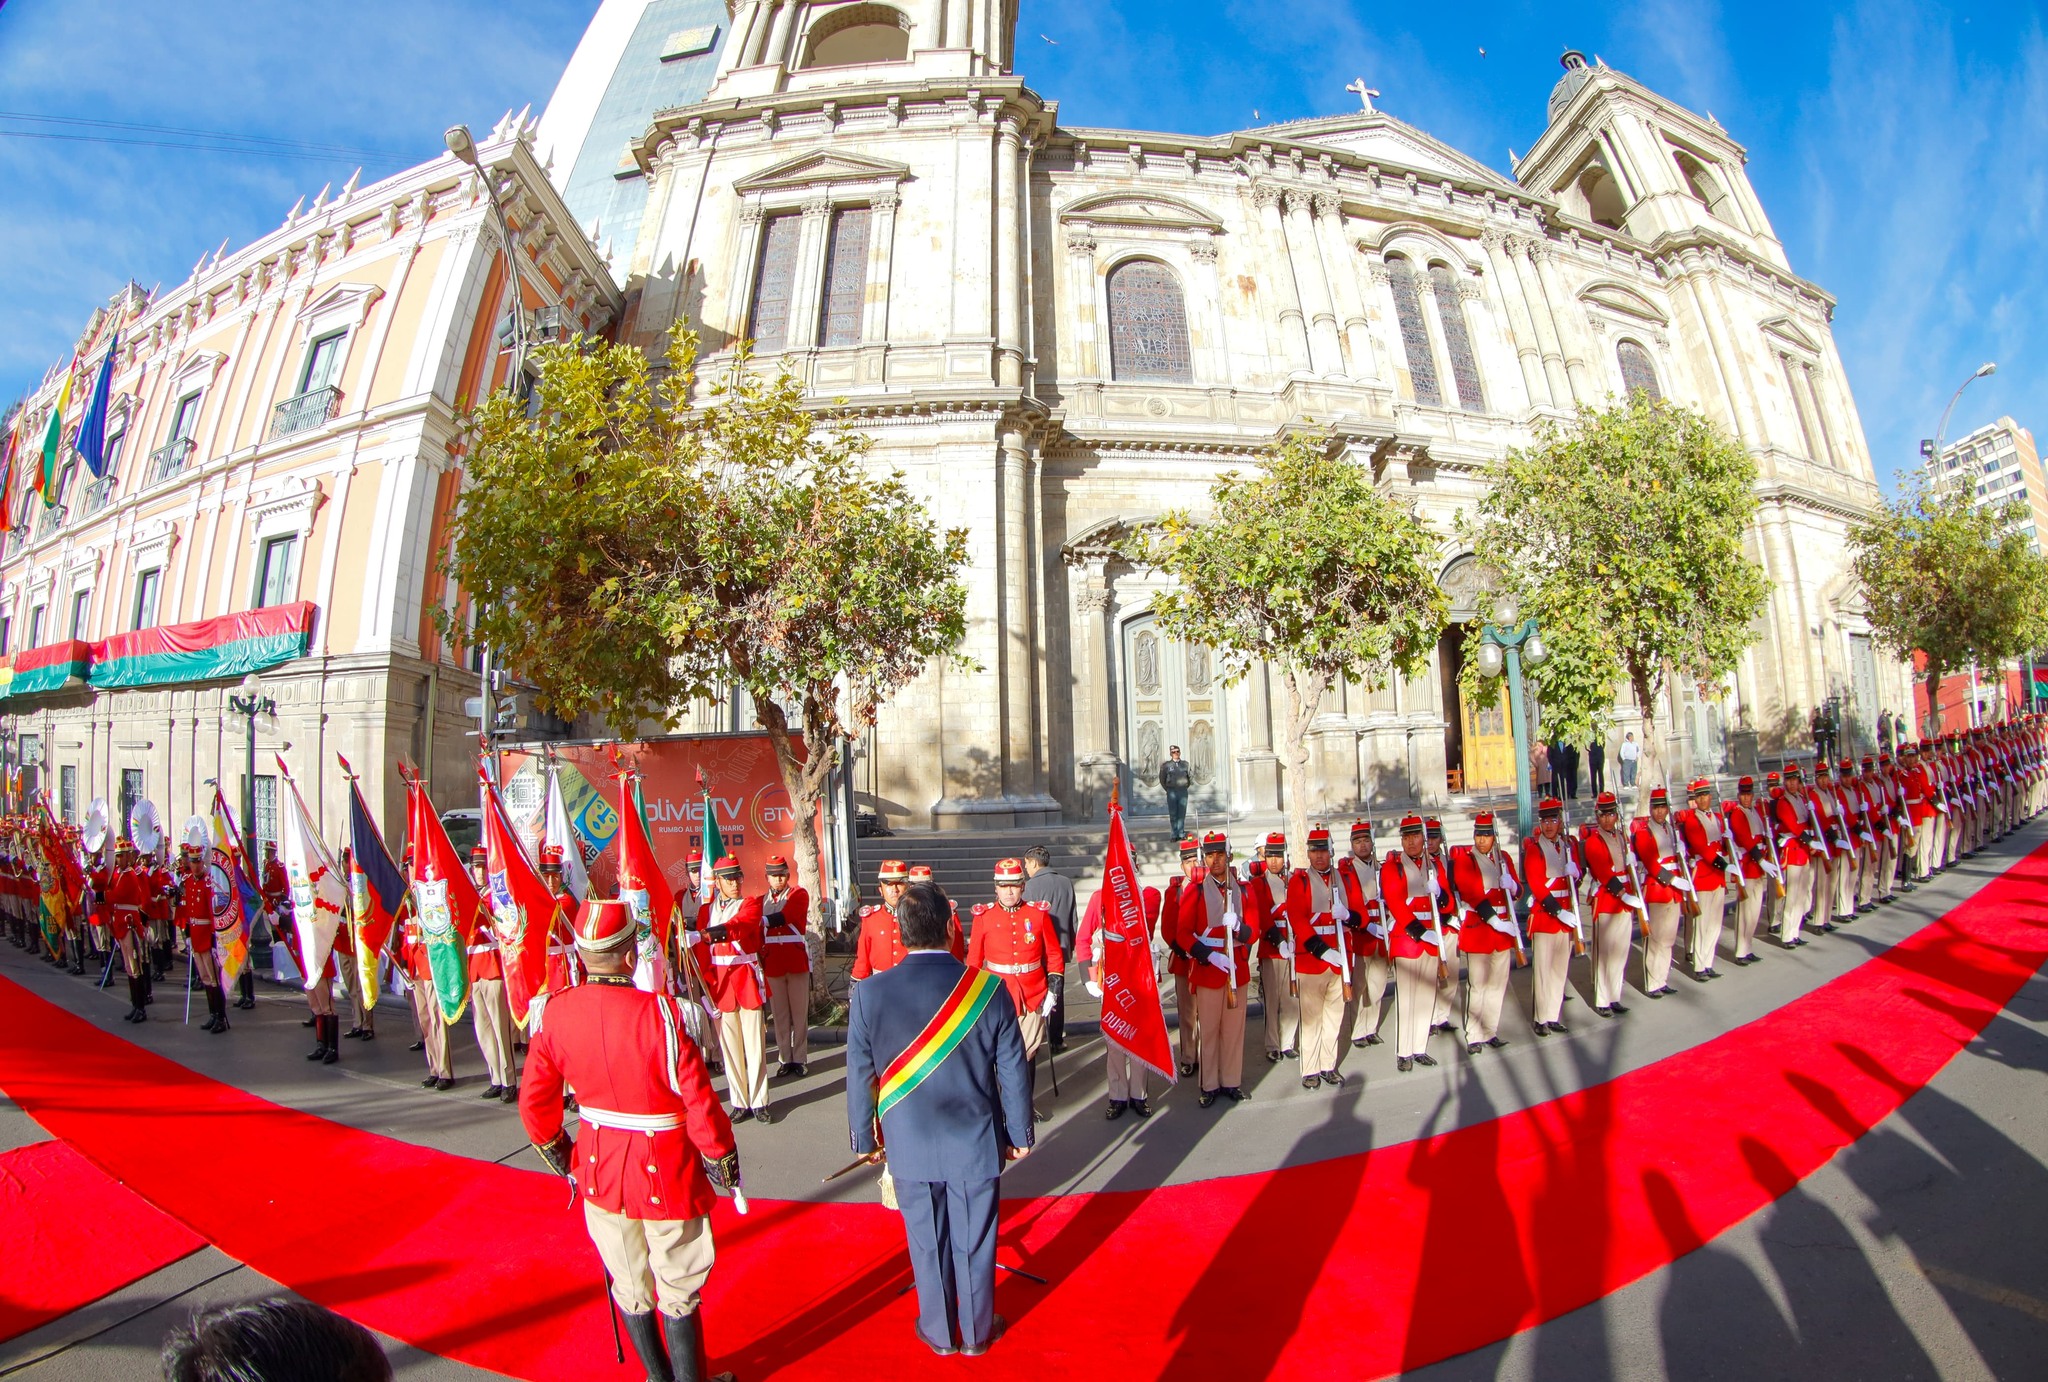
[(774, 819)]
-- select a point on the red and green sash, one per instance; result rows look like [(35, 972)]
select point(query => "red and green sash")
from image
[(947, 1029)]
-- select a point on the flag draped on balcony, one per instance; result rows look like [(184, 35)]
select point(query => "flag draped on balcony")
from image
[(91, 441), (53, 439)]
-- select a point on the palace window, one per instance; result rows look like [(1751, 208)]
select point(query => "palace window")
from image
[(35, 626), (1813, 422), (148, 590), (81, 608), (1450, 309), (1148, 324), (775, 282), (1422, 377), (1637, 371), (274, 570), (323, 362), (846, 278)]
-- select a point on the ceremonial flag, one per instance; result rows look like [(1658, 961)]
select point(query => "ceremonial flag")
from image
[(522, 909), (91, 441), (8, 451), (376, 888), (556, 831), (446, 900), (1133, 1019), (714, 845), (319, 896), (53, 439), (642, 886), (234, 915)]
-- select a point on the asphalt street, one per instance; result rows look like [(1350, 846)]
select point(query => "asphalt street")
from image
[(1920, 1252)]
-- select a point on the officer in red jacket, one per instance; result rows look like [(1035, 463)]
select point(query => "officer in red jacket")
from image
[(653, 1139), (1483, 878), (879, 945), (490, 1012), (125, 892), (728, 955), (786, 961), (1215, 930), (1015, 939), (1552, 868), (1188, 1038), (1751, 844), (1318, 913), (1372, 966), (1415, 895), (1716, 877), (1617, 906)]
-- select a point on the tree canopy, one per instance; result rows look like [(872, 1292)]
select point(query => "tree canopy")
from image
[(1948, 579), (1621, 531), (1304, 566), (627, 550)]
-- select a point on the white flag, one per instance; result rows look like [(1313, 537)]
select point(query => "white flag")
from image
[(319, 893), (557, 831)]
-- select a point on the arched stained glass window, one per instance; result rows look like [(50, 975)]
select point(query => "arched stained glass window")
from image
[(1637, 372), (1402, 278), (1450, 309), (1148, 324)]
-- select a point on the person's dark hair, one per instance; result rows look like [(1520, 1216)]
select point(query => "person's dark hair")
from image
[(1038, 854), (922, 916), (273, 1340)]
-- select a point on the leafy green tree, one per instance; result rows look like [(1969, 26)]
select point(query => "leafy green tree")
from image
[(1947, 579), (1621, 532), (1306, 567), (632, 548)]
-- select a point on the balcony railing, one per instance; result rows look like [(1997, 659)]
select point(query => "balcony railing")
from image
[(304, 413), (97, 496), (17, 538), (169, 460), (50, 520)]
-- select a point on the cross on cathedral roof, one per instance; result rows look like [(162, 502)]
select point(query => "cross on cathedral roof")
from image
[(1364, 94)]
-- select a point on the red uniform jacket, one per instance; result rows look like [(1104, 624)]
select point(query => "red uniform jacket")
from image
[(276, 886), (1020, 947), (1656, 853), (1607, 865), (484, 960), (1792, 818), (1405, 896), (1479, 894), (784, 920), (1547, 866), (629, 1059), (412, 949), (156, 906), (1367, 936), (880, 943), (1746, 828), (1708, 845), (1312, 902), (1178, 962), (125, 894), (732, 967), (195, 911), (1203, 909)]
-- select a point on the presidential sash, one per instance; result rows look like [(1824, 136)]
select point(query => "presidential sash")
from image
[(941, 1036)]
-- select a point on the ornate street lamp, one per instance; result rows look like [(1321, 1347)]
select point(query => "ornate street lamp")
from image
[(1506, 643), (252, 702)]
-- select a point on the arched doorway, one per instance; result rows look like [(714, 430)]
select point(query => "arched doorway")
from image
[(1173, 694), (1479, 751)]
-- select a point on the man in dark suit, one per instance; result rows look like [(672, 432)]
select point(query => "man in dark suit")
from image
[(933, 1046)]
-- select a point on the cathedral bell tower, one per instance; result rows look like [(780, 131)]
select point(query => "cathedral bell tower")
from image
[(806, 45), (1619, 155)]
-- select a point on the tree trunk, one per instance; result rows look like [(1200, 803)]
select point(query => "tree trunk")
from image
[(1930, 724), (1650, 765), (1303, 700)]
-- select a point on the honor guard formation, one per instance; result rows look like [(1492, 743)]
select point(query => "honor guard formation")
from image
[(639, 1013)]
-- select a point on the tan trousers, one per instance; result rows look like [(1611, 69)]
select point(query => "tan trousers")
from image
[(743, 1039), (1374, 973), (1747, 910), (1223, 1038), (320, 998), (1925, 836), (1447, 984), (1414, 1003), (1032, 1027), (1664, 918), (1847, 867), (426, 1014), (1797, 902), (1550, 959), (653, 1262), (1886, 880), (491, 1015), (1611, 936), (1126, 1076), (359, 1013), (1487, 973), (1322, 1018), (1283, 1013), (1706, 928), (790, 996), (1188, 1040)]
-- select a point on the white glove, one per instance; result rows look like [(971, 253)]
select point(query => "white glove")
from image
[(1230, 921), (1286, 950), (1094, 990), (1222, 962), (710, 1009), (1340, 912), (1052, 1000), (1684, 885)]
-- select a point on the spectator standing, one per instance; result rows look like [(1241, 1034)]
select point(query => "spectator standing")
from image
[(1539, 767), (1596, 766), (1887, 730), (1054, 892), (1631, 754), (1175, 778), (1565, 758)]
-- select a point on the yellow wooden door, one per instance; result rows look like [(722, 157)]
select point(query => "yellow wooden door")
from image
[(1489, 748)]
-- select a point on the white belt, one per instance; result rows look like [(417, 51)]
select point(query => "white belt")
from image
[(785, 940), (1011, 970), (728, 961), (483, 950), (1330, 930), (126, 907), (628, 1122)]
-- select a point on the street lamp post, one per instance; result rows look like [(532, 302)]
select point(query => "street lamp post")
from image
[(1505, 645), (251, 703), (1983, 371)]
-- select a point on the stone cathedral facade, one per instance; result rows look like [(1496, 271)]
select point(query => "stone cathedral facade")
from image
[(1058, 333)]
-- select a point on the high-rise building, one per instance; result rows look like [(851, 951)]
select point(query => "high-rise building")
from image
[(2001, 460)]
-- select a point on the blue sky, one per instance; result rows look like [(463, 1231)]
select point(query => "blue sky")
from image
[(1901, 150)]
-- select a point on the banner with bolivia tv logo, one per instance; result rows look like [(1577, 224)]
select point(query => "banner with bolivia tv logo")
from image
[(231, 646), (753, 809)]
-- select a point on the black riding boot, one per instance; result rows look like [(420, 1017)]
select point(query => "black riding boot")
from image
[(332, 1026), (319, 1052), (219, 1002), (645, 1332), (247, 985), (135, 1012), (686, 1350)]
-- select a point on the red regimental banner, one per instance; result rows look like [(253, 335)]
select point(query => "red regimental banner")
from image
[(1132, 1018)]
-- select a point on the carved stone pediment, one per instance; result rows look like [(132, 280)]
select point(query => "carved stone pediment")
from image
[(822, 170), (1143, 209), (1791, 333), (1617, 297)]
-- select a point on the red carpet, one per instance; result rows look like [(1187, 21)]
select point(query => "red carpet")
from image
[(73, 1235), (1275, 1274)]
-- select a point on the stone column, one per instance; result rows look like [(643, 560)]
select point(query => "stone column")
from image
[(1521, 331), (1293, 330), (1260, 762), (804, 293), (1016, 622), (778, 35), (1343, 277), (745, 25), (1326, 352), (956, 24), (1088, 361), (1095, 758), (1009, 234), (1522, 254), (881, 263), (1561, 307)]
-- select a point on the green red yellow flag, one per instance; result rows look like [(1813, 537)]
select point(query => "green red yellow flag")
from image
[(53, 439)]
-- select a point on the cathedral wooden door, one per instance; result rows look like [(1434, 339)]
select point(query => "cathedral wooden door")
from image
[(1173, 694), (1489, 747)]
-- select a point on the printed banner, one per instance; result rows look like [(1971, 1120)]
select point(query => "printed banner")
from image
[(1133, 1019)]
